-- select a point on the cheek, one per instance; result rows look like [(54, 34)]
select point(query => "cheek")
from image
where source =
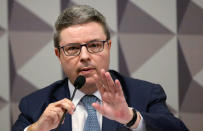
[(103, 61), (68, 67), (107, 60)]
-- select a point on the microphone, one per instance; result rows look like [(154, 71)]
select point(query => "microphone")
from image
[(78, 83)]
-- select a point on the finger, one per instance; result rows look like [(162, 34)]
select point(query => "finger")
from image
[(99, 85), (58, 113), (99, 108), (52, 116), (104, 80), (66, 108), (119, 88), (69, 102), (106, 94), (107, 97), (110, 82), (66, 105), (101, 88), (65, 101)]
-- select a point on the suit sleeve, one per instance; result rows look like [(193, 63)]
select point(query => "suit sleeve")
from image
[(157, 116), (24, 119)]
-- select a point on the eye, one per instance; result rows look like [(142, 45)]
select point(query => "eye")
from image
[(71, 48), (95, 44)]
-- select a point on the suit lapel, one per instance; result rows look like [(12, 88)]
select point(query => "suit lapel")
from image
[(67, 126), (61, 93), (115, 75)]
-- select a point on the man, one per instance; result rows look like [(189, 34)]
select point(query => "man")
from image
[(82, 45)]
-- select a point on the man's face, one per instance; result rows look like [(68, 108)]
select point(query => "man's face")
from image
[(86, 64)]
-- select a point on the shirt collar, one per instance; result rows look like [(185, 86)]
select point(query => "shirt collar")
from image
[(79, 94)]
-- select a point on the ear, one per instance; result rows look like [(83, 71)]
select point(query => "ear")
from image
[(109, 42), (57, 53)]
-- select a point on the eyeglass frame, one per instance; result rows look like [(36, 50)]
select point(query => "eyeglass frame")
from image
[(84, 44)]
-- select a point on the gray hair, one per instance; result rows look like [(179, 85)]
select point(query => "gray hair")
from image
[(76, 15)]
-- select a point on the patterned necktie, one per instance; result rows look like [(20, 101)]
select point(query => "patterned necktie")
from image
[(91, 123)]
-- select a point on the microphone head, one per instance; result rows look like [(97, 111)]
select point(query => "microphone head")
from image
[(79, 82)]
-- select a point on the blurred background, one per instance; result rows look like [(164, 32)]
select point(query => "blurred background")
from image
[(156, 40)]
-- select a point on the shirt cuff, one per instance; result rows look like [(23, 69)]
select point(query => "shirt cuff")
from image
[(26, 128), (141, 126)]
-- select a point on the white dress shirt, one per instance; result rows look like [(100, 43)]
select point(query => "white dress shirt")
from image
[(80, 114)]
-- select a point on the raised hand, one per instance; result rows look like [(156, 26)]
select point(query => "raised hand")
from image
[(114, 105)]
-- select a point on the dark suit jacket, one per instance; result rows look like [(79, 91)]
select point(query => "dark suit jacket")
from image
[(146, 97)]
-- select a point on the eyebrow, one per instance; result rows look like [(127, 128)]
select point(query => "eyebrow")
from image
[(70, 44)]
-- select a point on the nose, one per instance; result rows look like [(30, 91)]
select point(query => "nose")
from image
[(84, 54)]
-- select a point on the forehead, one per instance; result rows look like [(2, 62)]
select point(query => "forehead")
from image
[(82, 33)]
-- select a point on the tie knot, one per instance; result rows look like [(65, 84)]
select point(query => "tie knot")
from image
[(88, 100)]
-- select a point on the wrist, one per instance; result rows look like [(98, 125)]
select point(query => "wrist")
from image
[(34, 127), (130, 116), (133, 119)]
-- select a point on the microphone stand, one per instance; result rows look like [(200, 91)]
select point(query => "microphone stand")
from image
[(64, 114), (79, 82)]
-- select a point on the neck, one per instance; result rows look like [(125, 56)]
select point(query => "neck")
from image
[(89, 90)]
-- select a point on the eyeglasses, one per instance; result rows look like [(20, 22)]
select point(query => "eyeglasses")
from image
[(74, 49)]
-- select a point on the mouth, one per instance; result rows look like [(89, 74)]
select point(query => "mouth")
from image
[(86, 71)]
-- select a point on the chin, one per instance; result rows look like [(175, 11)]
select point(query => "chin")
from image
[(90, 81)]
